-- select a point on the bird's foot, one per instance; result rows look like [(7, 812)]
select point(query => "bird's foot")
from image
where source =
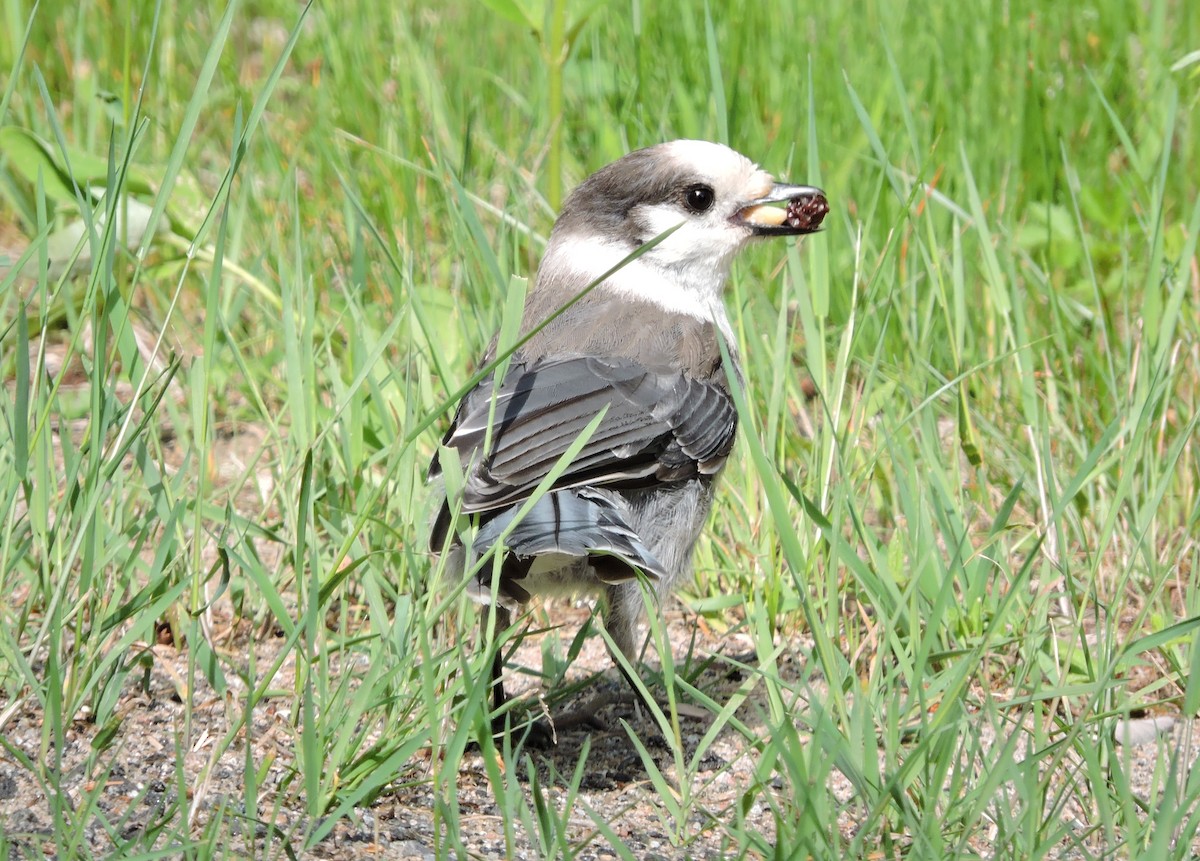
[(537, 734), (587, 716), (544, 732)]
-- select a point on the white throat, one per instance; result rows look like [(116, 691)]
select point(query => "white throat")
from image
[(691, 289)]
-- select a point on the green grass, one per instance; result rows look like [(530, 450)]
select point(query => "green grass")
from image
[(311, 226)]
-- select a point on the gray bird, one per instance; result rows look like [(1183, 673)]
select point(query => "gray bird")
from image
[(643, 344)]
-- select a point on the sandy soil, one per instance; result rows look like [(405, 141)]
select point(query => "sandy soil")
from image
[(141, 778)]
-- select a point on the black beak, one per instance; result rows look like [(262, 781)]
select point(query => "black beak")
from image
[(805, 209)]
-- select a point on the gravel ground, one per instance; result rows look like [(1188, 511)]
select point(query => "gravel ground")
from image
[(142, 778)]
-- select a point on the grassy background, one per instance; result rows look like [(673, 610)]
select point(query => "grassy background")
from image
[(311, 224)]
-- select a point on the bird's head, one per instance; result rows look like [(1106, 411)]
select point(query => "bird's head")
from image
[(716, 199)]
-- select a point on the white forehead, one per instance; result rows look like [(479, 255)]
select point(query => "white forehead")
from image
[(726, 167)]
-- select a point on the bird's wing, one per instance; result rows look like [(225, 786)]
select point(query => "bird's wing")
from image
[(659, 426)]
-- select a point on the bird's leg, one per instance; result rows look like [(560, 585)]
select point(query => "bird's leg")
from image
[(537, 734), (621, 616), (503, 619), (625, 605)]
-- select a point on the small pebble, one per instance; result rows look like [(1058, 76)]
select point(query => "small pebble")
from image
[(1135, 731)]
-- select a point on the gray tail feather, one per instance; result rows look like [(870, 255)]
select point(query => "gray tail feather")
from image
[(582, 521)]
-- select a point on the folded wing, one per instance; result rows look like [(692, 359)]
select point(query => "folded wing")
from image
[(658, 427)]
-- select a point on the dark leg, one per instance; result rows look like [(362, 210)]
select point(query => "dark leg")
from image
[(503, 622), (535, 734)]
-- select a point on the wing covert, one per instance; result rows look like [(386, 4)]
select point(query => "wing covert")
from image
[(660, 426)]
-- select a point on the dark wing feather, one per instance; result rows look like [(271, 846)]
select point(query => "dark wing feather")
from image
[(660, 426)]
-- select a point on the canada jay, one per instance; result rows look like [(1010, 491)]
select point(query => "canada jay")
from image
[(643, 347)]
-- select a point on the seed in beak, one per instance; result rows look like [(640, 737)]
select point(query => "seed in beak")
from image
[(806, 211)]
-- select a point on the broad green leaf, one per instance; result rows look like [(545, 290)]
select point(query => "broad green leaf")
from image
[(30, 155), (512, 11), (27, 153)]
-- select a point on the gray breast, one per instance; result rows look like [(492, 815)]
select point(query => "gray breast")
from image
[(629, 329)]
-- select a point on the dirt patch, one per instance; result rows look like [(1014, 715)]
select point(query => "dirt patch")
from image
[(135, 782)]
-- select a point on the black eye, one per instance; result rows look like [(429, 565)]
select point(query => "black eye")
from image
[(698, 198)]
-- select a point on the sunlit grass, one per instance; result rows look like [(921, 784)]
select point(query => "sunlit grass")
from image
[(968, 488)]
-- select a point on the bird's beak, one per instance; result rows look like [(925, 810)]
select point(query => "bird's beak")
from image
[(803, 210)]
